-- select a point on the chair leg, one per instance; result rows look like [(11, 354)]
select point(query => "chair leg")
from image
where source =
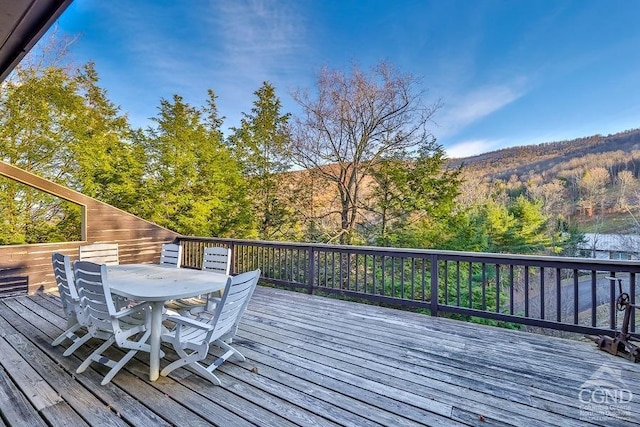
[(192, 361), (230, 351), (185, 359), (76, 344), (96, 356), (206, 373), (116, 368), (69, 333)]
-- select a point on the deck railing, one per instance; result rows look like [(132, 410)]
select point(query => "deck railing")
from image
[(559, 293)]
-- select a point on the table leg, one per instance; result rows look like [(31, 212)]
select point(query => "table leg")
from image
[(156, 330)]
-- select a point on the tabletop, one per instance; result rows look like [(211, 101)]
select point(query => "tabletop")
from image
[(153, 282)]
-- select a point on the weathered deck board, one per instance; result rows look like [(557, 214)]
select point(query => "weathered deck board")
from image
[(312, 361)]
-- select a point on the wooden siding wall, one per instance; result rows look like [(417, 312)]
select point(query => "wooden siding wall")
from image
[(27, 268)]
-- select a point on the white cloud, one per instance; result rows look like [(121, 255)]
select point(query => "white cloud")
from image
[(471, 148), (259, 38), (463, 110)]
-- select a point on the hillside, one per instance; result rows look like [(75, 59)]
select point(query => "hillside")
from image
[(554, 157), (565, 175)]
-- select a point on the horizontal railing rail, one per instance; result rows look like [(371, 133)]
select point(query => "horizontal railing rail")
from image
[(559, 293)]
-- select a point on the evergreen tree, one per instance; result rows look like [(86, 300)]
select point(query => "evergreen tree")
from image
[(193, 184), (411, 194), (105, 163), (261, 143)]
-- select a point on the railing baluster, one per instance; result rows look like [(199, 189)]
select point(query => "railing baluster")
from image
[(383, 281), (612, 303), (446, 282), (526, 291), (470, 284), (594, 302), (413, 278), (558, 295), (424, 279), (458, 283), (575, 296), (632, 294), (511, 289), (497, 288), (542, 292), (434, 285), (484, 286)]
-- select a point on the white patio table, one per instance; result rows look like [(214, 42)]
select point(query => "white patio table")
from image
[(158, 284)]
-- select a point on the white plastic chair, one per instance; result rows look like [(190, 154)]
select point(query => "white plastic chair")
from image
[(171, 255), (76, 319), (100, 253), (191, 337), (106, 322), (214, 259), (217, 259)]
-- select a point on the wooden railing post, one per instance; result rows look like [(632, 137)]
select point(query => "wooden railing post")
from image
[(434, 285), (234, 261), (311, 271)]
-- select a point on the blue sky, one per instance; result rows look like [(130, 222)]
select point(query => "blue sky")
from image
[(508, 72)]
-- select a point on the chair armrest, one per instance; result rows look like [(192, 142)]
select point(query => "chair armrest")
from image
[(208, 307), (132, 310), (187, 321)]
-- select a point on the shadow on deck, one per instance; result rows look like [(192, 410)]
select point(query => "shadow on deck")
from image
[(313, 361)]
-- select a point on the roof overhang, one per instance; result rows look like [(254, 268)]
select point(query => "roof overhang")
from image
[(22, 24)]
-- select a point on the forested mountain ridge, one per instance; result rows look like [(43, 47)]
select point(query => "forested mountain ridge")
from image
[(590, 183), (551, 158)]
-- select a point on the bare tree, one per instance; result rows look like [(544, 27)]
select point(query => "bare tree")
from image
[(352, 123), (624, 180), (553, 195), (593, 186)]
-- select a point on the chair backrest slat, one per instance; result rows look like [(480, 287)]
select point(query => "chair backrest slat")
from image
[(233, 303), (64, 279), (217, 259), (171, 255), (95, 296)]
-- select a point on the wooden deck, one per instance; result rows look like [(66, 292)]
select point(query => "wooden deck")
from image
[(314, 361)]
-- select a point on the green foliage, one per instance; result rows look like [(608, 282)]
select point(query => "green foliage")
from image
[(32, 216), (192, 183), (37, 109), (107, 165), (262, 146), (519, 227), (413, 199), (502, 225)]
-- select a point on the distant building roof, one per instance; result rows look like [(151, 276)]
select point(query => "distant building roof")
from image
[(611, 242)]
